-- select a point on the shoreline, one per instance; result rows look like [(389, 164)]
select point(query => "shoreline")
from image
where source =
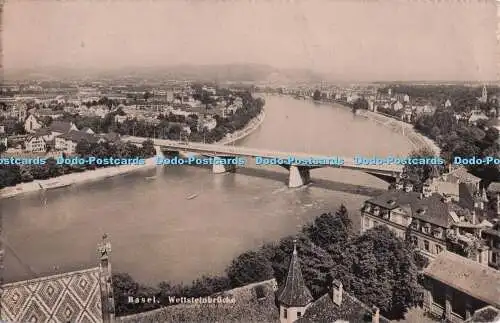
[(107, 172), (417, 140)]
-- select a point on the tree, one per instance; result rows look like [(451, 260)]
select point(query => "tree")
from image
[(418, 174), (249, 267), (378, 268), (329, 230), (3, 148), (317, 95), (148, 148)]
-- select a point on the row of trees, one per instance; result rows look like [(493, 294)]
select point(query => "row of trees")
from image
[(376, 267), (461, 140), (11, 175)]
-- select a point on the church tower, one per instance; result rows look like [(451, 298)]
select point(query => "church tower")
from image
[(295, 297), (484, 95), (108, 303)]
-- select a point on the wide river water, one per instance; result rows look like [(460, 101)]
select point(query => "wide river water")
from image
[(158, 234)]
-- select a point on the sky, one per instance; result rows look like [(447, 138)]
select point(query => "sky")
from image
[(361, 39)]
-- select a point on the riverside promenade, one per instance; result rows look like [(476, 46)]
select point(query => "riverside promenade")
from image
[(106, 172)]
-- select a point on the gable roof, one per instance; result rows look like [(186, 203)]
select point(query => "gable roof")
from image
[(466, 276), (77, 136), (68, 297), (60, 126), (436, 211), (248, 307), (351, 310), (485, 315), (295, 292)]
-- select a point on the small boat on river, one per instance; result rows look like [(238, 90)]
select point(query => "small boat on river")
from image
[(190, 197)]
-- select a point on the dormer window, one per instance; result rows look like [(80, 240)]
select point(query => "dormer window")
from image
[(426, 228), (376, 210), (367, 207), (437, 232)]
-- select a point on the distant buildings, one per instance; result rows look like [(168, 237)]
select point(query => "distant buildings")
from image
[(31, 124)]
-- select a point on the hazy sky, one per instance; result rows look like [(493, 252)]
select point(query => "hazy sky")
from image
[(371, 39)]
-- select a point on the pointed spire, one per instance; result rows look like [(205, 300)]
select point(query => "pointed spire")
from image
[(484, 197), (295, 292)]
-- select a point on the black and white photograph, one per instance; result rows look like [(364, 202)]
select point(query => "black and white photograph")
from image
[(220, 161)]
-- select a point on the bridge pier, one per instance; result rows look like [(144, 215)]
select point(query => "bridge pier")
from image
[(159, 152), (298, 176), (220, 167)]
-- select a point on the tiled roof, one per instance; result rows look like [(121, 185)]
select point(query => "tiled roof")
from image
[(42, 132), (485, 315), (60, 126), (325, 310), (430, 209), (248, 307), (68, 297), (494, 187), (464, 176), (467, 276), (295, 292), (77, 136)]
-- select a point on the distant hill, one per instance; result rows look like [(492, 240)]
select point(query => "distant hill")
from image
[(218, 73)]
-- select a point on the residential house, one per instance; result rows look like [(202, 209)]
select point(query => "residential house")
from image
[(49, 113), (396, 106), (425, 216), (457, 287), (35, 144), (207, 122), (447, 104), (31, 124), (67, 142), (62, 127), (492, 238), (476, 116)]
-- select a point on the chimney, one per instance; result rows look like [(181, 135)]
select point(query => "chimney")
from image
[(375, 314), (421, 196), (473, 217), (337, 290), (498, 203)]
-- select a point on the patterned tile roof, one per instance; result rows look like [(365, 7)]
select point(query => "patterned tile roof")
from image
[(68, 297), (325, 310), (295, 292), (249, 307), (466, 276)]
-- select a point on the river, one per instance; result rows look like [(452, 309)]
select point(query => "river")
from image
[(159, 235)]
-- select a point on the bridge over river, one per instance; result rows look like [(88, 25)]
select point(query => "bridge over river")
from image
[(299, 164)]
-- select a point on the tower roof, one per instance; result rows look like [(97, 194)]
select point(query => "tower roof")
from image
[(295, 292)]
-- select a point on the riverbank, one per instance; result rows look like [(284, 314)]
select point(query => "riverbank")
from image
[(418, 140), (103, 173)]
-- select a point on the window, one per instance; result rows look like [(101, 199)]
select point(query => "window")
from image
[(438, 249), (426, 245), (284, 313), (299, 314), (494, 257)]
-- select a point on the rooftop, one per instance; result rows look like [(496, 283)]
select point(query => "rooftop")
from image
[(60, 126), (325, 310), (467, 276), (295, 292), (68, 297), (248, 307), (464, 176), (430, 209)]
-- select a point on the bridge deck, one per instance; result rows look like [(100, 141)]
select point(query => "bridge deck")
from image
[(238, 151)]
